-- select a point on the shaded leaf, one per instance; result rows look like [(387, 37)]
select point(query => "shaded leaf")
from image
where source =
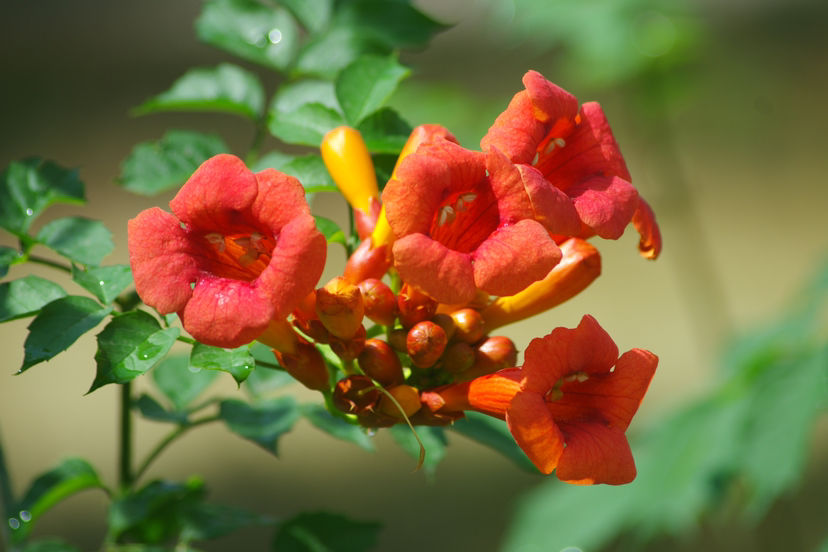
[(226, 88), (312, 14), (331, 51), (104, 282), (28, 187), (434, 441), (236, 362), (250, 30), (153, 410), (26, 296), (71, 476), (305, 126), (494, 434), (131, 344), (264, 422), (79, 239), (156, 166), (366, 84), (203, 521), (322, 531), (319, 416), (384, 131), (7, 257), (331, 230), (58, 325), (50, 545), (394, 24), (153, 513), (179, 382)]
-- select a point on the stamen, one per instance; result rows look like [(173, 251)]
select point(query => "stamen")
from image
[(216, 240), (549, 147), (447, 215), (560, 142)]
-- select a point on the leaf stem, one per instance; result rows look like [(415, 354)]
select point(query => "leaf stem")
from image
[(6, 500), (48, 262), (125, 477), (166, 441)]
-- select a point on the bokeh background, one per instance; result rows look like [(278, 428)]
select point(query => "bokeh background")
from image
[(719, 109)]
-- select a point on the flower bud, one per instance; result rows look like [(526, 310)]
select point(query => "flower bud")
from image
[(493, 354), (305, 319), (446, 322), (306, 365), (348, 349), (425, 343), (355, 394), (459, 356), (397, 338), (339, 306), (367, 262), (380, 302), (469, 325), (414, 306), (379, 362), (349, 163), (407, 397)]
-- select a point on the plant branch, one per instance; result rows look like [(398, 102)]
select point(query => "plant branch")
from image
[(48, 262), (6, 499), (166, 441), (125, 478)]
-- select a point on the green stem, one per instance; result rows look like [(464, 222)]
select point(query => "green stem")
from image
[(6, 500), (166, 441), (125, 477), (48, 262), (188, 340)]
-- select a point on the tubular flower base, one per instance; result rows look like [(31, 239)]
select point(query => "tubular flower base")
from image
[(576, 152), (239, 250), (568, 406)]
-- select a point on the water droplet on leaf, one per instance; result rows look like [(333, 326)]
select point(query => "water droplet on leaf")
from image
[(14, 523), (29, 212), (25, 515)]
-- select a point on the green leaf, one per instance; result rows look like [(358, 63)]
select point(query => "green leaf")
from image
[(7, 258), (366, 84), (179, 382), (131, 344), (264, 379), (153, 410), (328, 53), (209, 521), (71, 476), (156, 166), (152, 514), (226, 88), (28, 187), (305, 126), (322, 531), (236, 362), (58, 325), (293, 95), (264, 422), (79, 239), (494, 434), (433, 439), (312, 14), (250, 30), (50, 545), (104, 282), (309, 169), (330, 230), (394, 24), (319, 416), (26, 296), (384, 131)]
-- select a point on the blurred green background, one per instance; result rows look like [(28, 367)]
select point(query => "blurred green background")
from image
[(718, 108)]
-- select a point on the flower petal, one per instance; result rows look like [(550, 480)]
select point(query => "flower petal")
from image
[(516, 132), (605, 204), (280, 198), (535, 431), (644, 221), (595, 453), (552, 103), (445, 275)]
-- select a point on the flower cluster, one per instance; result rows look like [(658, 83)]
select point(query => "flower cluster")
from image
[(457, 244)]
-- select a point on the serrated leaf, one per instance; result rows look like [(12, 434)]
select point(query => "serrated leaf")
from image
[(312, 14), (153, 410), (71, 476), (7, 257), (28, 187), (104, 282), (319, 416), (204, 521), (26, 296), (250, 30), (226, 88), (58, 325), (179, 382), (433, 439), (305, 126), (322, 531), (79, 239), (131, 344), (236, 362), (331, 230), (394, 24), (263, 422), (293, 95), (366, 84), (494, 434), (328, 53), (384, 131), (152, 514), (155, 166)]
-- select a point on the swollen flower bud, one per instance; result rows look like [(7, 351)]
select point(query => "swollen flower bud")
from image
[(414, 306), (306, 365), (493, 354), (380, 303), (425, 343), (367, 262), (407, 398), (348, 349), (468, 324), (355, 394), (339, 306), (397, 338), (458, 357), (379, 362), (446, 322)]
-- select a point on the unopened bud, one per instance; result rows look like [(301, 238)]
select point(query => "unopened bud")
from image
[(425, 343), (397, 339), (306, 365), (305, 319), (493, 354), (459, 356), (339, 306), (407, 401), (355, 394), (348, 349), (367, 262), (414, 306), (446, 322), (380, 303), (379, 362), (469, 324)]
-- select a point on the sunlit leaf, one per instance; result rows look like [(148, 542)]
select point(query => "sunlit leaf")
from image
[(318, 531), (433, 439), (331, 230), (305, 126), (384, 131), (71, 476), (226, 88), (312, 14), (131, 344), (309, 169), (104, 282), (179, 382), (152, 514), (366, 84), (28, 187), (58, 325), (319, 416), (26, 296), (494, 434), (331, 51), (236, 362), (263, 422), (156, 166), (79, 239), (293, 95)]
